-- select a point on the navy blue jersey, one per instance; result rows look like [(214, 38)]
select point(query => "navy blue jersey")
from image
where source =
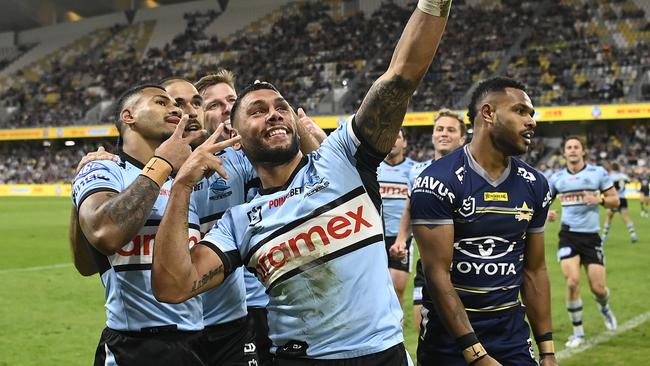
[(491, 219)]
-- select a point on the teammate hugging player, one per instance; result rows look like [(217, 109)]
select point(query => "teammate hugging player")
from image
[(581, 188), (478, 217)]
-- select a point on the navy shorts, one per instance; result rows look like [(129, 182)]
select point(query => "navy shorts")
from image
[(394, 356), (418, 283), (401, 265), (228, 344), (506, 339), (621, 206), (588, 246)]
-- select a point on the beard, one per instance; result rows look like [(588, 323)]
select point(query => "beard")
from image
[(505, 140), (259, 153)]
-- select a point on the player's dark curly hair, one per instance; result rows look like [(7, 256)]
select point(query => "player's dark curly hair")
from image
[(496, 84), (248, 89)]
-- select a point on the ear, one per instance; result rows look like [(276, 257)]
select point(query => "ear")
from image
[(127, 117), (487, 113)]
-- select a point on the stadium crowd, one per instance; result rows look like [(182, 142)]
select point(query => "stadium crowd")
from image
[(577, 65)]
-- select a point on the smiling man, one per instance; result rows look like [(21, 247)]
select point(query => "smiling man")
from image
[(478, 217), (313, 235)]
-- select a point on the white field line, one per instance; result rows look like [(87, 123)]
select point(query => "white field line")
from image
[(36, 268), (604, 337)]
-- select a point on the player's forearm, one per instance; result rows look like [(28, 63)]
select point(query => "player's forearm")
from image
[(404, 230), (172, 273), (118, 219), (83, 260), (536, 295), (611, 201), (382, 111), (449, 306)]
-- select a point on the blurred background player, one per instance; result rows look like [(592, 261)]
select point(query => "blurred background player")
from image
[(620, 180), (644, 191), (478, 217), (581, 187), (448, 134), (392, 175)]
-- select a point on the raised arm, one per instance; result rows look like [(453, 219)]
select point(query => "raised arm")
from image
[(382, 110), (536, 295), (179, 273)]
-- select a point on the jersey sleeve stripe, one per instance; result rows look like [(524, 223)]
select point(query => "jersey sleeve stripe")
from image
[(535, 230), (93, 191), (132, 267), (230, 259), (432, 222)]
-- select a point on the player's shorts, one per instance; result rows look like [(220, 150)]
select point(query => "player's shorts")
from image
[(588, 246), (622, 205), (258, 335), (645, 190), (506, 339), (418, 283), (394, 356), (228, 344), (155, 346), (400, 265)]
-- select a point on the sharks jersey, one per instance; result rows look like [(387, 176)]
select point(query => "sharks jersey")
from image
[(126, 274), (571, 188), (210, 199), (393, 187), (619, 180), (317, 245), (491, 219)]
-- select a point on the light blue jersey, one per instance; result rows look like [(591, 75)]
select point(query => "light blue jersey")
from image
[(317, 245), (620, 180), (126, 274), (571, 188), (393, 187), (210, 199)]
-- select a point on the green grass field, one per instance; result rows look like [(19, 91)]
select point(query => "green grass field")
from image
[(50, 315)]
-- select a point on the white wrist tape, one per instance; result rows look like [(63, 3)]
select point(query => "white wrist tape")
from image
[(438, 8)]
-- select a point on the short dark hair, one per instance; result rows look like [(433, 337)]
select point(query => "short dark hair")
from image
[(446, 112), (172, 79), (251, 88), (582, 141), (220, 76), (122, 102), (616, 167), (487, 86)]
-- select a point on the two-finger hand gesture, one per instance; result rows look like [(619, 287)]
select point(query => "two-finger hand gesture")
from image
[(176, 149)]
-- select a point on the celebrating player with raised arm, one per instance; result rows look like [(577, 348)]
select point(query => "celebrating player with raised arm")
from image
[(313, 235), (478, 217)]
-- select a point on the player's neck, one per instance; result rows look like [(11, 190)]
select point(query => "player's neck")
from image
[(575, 167), (394, 160), (140, 149), (493, 161), (276, 175)]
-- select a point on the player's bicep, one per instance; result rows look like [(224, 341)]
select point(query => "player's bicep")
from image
[(534, 255), (91, 217), (436, 245), (209, 269)]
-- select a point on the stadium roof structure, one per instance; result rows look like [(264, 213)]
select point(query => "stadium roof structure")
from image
[(21, 15)]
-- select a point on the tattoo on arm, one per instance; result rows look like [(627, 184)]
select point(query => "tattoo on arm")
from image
[(198, 284), (459, 314), (382, 112), (130, 209)]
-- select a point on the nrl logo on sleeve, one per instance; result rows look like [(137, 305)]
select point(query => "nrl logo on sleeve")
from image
[(526, 174), (255, 215), (460, 174), (547, 199)]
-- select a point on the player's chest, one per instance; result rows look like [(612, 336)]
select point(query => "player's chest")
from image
[(576, 182)]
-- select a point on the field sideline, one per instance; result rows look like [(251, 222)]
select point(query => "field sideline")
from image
[(50, 315)]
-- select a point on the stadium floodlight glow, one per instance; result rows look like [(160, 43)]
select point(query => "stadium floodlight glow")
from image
[(69, 143), (46, 143)]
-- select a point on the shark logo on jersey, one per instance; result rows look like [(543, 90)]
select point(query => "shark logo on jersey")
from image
[(219, 189), (524, 213), (484, 247), (460, 174), (255, 215), (526, 174), (468, 207)]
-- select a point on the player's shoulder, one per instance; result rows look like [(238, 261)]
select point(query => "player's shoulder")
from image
[(98, 166), (448, 169), (409, 163), (527, 172), (596, 169)]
